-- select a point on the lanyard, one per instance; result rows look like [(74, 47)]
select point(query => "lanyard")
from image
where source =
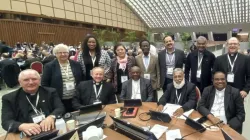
[(65, 71), (144, 62), (34, 107), (170, 61), (92, 59), (199, 62), (178, 98), (99, 91), (232, 64)]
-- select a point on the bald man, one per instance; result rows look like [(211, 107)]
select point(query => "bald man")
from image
[(94, 91), (32, 108), (137, 87), (200, 62), (236, 66)]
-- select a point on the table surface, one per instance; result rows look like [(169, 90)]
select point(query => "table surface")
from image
[(174, 124)]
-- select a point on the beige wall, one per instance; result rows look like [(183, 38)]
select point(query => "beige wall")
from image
[(104, 12)]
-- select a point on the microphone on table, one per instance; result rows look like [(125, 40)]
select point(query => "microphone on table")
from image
[(182, 138), (99, 113), (8, 131)]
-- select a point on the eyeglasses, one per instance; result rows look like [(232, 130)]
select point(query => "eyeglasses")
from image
[(62, 52)]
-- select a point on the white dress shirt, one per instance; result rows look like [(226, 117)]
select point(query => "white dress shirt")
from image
[(218, 109), (136, 92)]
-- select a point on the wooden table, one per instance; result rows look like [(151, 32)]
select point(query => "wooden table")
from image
[(174, 124)]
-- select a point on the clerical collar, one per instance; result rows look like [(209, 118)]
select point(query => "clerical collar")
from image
[(233, 54), (94, 82)]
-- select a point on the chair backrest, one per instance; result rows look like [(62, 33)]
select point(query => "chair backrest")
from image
[(38, 66), (198, 94)]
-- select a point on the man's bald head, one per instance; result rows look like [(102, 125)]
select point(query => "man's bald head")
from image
[(27, 72), (233, 45)]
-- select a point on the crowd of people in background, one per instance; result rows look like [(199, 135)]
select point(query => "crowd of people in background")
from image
[(90, 73)]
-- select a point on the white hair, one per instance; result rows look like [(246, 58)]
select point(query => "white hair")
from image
[(60, 46), (178, 70), (28, 71)]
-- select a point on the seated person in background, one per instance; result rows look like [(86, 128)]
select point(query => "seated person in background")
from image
[(137, 87), (179, 92), (32, 108), (6, 60), (222, 102), (48, 57), (30, 59), (94, 91)]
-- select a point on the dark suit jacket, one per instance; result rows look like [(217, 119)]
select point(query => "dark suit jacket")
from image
[(180, 59), (28, 62), (241, 70), (233, 103), (84, 91), (47, 59), (206, 68), (52, 76), (188, 96), (15, 104), (6, 62), (146, 90)]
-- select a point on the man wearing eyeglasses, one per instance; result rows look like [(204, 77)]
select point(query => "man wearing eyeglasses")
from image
[(236, 66), (222, 102)]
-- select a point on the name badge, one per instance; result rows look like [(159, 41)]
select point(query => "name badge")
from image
[(70, 85), (170, 71), (230, 77), (124, 78), (147, 76), (97, 102), (198, 74), (37, 118)]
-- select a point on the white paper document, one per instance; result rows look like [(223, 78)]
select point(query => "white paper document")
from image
[(186, 114), (158, 130), (170, 109), (173, 134)]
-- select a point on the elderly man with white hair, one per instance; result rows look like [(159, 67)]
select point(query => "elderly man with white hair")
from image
[(179, 92), (32, 108), (63, 75), (236, 66)]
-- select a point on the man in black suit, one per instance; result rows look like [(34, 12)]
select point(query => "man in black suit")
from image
[(94, 91), (137, 87), (6, 61), (48, 57), (222, 102), (169, 59), (200, 62), (179, 92), (236, 66), (32, 108)]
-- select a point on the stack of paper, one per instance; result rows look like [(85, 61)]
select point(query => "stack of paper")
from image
[(171, 108), (158, 130)]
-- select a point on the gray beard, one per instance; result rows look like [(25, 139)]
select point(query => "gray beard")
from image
[(179, 86)]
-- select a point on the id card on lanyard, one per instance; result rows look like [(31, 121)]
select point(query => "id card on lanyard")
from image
[(230, 75), (39, 116), (198, 74), (146, 64), (177, 97), (97, 94), (170, 69)]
